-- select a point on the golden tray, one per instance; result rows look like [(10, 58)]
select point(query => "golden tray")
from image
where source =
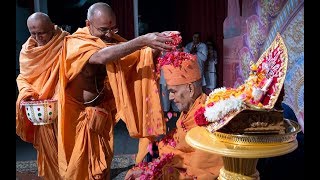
[(292, 130)]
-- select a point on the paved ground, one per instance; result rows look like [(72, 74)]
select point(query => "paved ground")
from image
[(26, 170)]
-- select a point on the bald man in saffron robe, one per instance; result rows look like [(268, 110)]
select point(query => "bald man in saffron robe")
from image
[(38, 80), (103, 79)]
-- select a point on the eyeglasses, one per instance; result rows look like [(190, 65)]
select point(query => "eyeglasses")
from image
[(107, 31)]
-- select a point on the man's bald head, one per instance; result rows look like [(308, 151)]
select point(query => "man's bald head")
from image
[(39, 16), (101, 20), (98, 9), (40, 27)]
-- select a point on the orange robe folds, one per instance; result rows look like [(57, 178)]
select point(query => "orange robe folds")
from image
[(39, 67), (86, 133), (188, 162)]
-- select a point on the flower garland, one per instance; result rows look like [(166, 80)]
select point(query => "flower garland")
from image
[(223, 101), (153, 170), (222, 108), (199, 117), (218, 105)]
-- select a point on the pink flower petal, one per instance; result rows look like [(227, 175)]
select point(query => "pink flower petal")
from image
[(149, 148), (150, 130)]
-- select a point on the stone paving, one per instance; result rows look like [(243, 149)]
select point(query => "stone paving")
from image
[(27, 170)]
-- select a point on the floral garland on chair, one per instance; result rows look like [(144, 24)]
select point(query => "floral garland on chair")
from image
[(259, 91)]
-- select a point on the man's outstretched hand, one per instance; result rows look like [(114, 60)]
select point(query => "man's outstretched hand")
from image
[(158, 41)]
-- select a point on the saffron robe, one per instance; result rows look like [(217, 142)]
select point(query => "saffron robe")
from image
[(188, 162), (85, 134), (38, 78)]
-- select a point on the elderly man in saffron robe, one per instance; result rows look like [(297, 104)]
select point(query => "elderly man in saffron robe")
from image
[(38, 80), (103, 79), (185, 90)]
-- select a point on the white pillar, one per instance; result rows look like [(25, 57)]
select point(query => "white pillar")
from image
[(135, 18), (41, 6)]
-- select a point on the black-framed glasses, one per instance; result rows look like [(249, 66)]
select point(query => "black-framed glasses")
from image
[(107, 31)]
